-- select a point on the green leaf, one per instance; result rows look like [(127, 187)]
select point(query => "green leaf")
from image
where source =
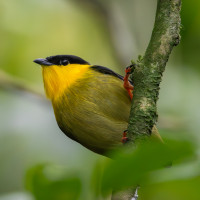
[(96, 179), (132, 168), (48, 185), (172, 190)]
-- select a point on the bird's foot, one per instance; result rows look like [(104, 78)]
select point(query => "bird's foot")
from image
[(124, 138), (127, 85), (129, 69)]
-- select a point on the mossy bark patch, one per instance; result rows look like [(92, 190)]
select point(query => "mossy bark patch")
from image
[(149, 70)]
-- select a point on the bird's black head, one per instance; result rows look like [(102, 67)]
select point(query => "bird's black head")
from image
[(60, 60)]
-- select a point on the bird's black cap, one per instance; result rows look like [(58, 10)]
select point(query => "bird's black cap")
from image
[(60, 60)]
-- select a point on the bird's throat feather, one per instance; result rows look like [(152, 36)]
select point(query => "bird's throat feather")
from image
[(58, 79)]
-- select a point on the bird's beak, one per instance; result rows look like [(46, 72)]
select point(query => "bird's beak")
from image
[(42, 61)]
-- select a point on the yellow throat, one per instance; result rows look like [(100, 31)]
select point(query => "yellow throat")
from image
[(58, 78)]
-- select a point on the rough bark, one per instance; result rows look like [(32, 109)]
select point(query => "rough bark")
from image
[(124, 195), (149, 69), (148, 73)]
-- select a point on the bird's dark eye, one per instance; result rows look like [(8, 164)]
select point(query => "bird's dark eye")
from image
[(64, 62)]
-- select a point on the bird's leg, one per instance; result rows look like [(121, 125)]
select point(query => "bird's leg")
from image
[(127, 84), (129, 87), (124, 138)]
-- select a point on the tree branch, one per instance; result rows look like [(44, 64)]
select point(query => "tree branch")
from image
[(149, 70), (129, 194), (148, 73), (9, 82), (118, 34)]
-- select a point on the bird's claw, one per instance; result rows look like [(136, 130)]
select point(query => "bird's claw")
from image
[(124, 138), (129, 87), (129, 69)]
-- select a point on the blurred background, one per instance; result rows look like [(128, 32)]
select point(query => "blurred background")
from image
[(108, 33)]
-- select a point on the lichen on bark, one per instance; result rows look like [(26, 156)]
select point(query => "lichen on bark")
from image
[(149, 70)]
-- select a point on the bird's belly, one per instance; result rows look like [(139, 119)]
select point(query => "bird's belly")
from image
[(92, 130), (94, 115)]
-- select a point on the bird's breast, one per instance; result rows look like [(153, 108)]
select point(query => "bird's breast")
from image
[(94, 111)]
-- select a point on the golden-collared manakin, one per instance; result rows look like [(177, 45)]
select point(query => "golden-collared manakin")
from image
[(90, 102)]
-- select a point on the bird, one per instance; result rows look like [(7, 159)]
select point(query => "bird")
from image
[(91, 103)]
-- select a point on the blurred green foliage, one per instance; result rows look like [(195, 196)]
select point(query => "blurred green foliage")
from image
[(190, 33), (47, 186), (146, 166), (30, 29)]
